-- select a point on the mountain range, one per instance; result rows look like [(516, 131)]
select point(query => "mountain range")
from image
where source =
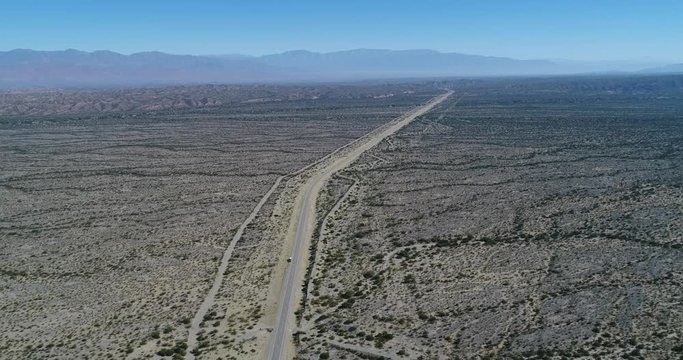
[(74, 68)]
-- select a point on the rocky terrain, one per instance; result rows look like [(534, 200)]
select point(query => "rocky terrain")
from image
[(112, 226), (522, 219), (17, 104)]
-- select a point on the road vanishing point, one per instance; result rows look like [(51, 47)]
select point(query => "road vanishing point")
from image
[(304, 217)]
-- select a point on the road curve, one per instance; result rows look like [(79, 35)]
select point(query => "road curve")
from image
[(280, 345)]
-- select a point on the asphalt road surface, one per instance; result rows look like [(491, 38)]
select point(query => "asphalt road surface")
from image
[(280, 346)]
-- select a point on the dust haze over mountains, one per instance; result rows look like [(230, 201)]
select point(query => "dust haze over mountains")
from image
[(74, 68)]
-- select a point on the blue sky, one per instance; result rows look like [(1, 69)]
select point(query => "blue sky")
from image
[(578, 29)]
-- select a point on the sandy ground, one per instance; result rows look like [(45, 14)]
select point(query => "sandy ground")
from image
[(513, 225), (114, 224)]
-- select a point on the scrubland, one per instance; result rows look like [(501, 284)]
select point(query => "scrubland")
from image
[(522, 219)]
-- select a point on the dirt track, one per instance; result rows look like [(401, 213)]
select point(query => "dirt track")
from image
[(218, 280)]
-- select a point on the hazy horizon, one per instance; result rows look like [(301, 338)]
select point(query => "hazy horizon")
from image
[(228, 53), (580, 31)]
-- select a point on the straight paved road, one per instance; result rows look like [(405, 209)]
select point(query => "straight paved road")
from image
[(280, 346)]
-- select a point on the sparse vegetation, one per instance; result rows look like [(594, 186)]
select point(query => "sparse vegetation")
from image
[(118, 204), (531, 218)]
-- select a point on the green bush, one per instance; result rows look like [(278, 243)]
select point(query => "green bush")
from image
[(165, 352)]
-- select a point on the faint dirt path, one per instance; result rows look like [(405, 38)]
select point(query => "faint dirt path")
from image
[(362, 350), (218, 280), (323, 229)]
